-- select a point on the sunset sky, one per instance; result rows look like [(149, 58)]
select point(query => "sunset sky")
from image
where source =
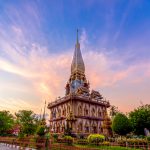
[(37, 40)]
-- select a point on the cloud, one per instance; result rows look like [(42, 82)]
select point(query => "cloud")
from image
[(48, 73), (21, 55)]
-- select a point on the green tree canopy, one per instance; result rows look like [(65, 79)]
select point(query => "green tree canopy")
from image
[(121, 124), (41, 130), (6, 121), (140, 119), (113, 111), (28, 121)]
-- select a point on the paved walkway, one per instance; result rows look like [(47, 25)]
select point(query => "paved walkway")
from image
[(4, 147)]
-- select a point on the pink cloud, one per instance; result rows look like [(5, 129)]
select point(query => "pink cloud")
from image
[(48, 73)]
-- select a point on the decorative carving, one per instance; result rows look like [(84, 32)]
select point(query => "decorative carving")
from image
[(67, 89), (96, 94), (107, 125), (82, 91)]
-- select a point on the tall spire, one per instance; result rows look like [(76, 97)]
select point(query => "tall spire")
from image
[(44, 111), (77, 36), (77, 62)]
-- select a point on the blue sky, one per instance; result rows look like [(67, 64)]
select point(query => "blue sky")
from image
[(37, 41)]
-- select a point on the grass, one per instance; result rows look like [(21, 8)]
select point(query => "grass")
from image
[(97, 147), (106, 147)]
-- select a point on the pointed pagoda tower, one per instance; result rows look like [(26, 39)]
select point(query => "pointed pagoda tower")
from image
[(77, 79), (80, 110)]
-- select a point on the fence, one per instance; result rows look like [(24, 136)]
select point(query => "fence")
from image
[(100, 147)]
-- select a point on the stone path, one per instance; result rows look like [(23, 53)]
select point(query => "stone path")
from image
[(4, 147)]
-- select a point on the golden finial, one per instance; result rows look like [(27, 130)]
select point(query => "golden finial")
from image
[(77, 36)]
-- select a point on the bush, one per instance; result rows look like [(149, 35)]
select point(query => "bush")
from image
[(81, 136), (121, 142), (60, 140), (95, 138), (82, 141), (137, 141), (33, 142), (106, 143), (40, 130), (55, 136), (68, 140), (132, 141), (148, 139), (21, 135)]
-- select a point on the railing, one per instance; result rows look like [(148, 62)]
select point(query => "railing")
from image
[(101, 101)]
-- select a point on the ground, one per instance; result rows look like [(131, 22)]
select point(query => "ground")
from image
[(4, 147)]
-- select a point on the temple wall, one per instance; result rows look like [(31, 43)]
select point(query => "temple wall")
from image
[(80, 110)]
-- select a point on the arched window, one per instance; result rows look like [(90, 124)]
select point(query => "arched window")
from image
[(58, 128), (86, 127), (64, 111), (93, 112), (86, 112), (68, 109), (80, 127), (54, 113), (80, 110), (59, 112), (63, 127), (94, 128), (99, 113)]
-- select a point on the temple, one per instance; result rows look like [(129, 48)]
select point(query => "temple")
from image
[(82, 110)]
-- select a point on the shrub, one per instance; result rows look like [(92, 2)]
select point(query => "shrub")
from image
[(121, 142), (40, 130), (81, 136), (106, 143), (82, 141), (132, 141), (21, 135), (47, 135), (95, 138), (68, 140), (110, 139), (60, 140), (55, 136), (148, 139), (33, 142), (137, 141)]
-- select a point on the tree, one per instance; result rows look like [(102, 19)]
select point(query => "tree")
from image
[(140, 119), (6, 122), (41, 130), (28, 121), (113, 111), (121, 124)]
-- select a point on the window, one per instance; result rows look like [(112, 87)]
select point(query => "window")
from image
[(86, 112), (59, 112), (87, 129), (80, 110), (93, 112), (64, 112), (99, 113), (80, 127)]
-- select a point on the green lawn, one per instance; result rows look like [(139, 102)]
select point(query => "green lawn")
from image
[(98, 147), (106, 147)]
